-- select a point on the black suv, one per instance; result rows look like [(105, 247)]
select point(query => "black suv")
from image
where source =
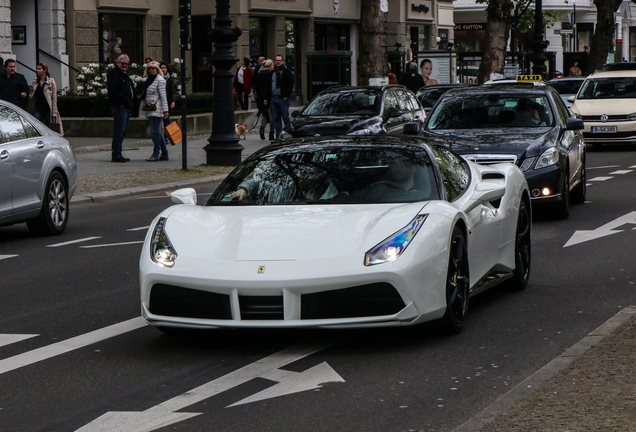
[(341, 110), (525, 124)]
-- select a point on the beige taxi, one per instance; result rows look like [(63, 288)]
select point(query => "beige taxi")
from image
[(606, 103)]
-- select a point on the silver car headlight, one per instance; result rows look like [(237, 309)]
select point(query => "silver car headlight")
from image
[(372, 126), (527, 163), (631, 116), (161, 250), (578, 116), (391, 248), (549, 157)]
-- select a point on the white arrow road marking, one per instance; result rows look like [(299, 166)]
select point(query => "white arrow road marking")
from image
[(7, 256), (111, 244), (600, 178), (71, 344), (139, 228), (165, 413), (619, 172), (8, 339), (73, 241), (602, 231)]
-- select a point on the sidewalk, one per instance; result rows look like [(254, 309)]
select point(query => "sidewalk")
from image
[(590, 387)]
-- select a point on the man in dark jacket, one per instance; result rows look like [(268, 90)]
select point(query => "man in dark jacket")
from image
[(282, 86), (122, 98), (13, 86), (412, 79)]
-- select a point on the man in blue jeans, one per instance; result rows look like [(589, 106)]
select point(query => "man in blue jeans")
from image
[(282, 85), (122, 98)]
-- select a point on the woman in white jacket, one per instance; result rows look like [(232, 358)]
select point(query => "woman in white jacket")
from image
[(155, 93)]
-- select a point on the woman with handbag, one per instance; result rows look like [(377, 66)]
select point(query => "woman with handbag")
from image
[(43, 99), (155, 106), (170, 92), (243, 82)]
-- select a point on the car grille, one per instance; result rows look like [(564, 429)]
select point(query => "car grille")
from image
[(610, 118), (362, 301), (176, 301), (261, 307), (489, 159)]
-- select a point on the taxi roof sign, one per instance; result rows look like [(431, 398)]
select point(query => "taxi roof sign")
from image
[(529, 78)]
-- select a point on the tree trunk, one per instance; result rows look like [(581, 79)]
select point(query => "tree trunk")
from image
[(603, 34), (499, 17), (372, 59)]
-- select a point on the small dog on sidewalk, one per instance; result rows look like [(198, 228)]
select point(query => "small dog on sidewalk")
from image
[(241, 130)]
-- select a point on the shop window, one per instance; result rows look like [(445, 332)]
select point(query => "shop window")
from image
[(330, 37), (121, 34), (584, 32), (165, 39), (257, 39), (420, 38), (292, 45)]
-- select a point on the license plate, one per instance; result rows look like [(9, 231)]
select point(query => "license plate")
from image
[(603, 129)]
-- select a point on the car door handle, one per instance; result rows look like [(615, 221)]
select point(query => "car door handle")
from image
[(40, 144), (4, 155)]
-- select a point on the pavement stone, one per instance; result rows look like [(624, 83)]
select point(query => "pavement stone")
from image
[(590, 387)]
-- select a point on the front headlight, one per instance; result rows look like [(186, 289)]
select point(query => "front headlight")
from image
[(549, 157), (285, 136), (161, 250), (372, 126), (391, 248), (527, 163), (631, 116), (578, 116)]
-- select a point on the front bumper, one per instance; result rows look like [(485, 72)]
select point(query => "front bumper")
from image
[(625, 132), (548, 179)]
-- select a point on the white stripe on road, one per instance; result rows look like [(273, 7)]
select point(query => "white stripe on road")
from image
[(621, 172), (7, 256), (600, 178), (139, 228), (603, 167), (71, 344), (8, 339), (111, 244), (73, 241)]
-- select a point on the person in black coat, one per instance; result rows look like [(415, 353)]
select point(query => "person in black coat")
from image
[(13, 86), (263, 90), (121, 96), (282, 86), (412, 79)]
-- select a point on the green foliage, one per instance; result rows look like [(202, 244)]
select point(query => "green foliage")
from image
[(525, 15)]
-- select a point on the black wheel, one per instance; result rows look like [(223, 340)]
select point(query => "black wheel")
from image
[(457, 284), (54, 214), (562, 210), (523, 250), (580, 191)]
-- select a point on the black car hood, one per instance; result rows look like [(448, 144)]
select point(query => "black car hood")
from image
[(522, 142), (303, 126)]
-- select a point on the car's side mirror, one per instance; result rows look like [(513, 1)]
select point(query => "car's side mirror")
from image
[(574, 124), (411, 128), (571, 99), (184, 196), (295, 113)]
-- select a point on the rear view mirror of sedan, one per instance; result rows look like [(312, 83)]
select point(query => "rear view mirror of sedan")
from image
[(411, 128), (184, 196), (571, 99), (574, 124)]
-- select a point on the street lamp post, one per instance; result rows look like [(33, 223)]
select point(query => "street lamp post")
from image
[(223, 148), (538, 44)]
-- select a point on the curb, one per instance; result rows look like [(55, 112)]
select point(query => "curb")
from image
[(140, 190), (528, 387)]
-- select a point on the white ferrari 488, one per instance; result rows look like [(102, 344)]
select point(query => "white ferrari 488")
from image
[(338, 232)]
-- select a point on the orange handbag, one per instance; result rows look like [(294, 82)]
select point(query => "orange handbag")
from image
[(173, 133)]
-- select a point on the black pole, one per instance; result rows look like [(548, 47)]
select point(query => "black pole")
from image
[(223, 148), (538, 44)]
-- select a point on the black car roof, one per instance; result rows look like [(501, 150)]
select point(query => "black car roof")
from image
[(341, 88), (500, 89)]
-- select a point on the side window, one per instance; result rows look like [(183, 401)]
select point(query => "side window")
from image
[(454, 171), (10, 125), (390, 101), (414, 100), (29, 129), (564, 114), (404, 101)]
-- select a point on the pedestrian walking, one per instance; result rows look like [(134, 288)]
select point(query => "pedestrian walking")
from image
[(243, 82), (13, 85), (263, 90), (282, 86), (121, 98), (155, 106), (412, 80), (43, 99)]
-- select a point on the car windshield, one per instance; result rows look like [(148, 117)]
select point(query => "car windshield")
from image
[(330, 174), (428, 97), (567, 86), (609, 88), (490, 110), (355, 103)]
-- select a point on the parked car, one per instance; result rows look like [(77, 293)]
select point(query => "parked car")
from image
[(619, 66), (352, 231), (524, 124), (341, 110), (567, 87), (606, 103), (428, 95), (37, 173)]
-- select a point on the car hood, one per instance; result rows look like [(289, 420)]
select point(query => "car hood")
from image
[(518, 141), (603, 106), (284, 233), (323, 125)]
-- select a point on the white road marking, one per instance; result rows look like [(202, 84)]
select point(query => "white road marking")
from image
[(633, 166), (604, 167), (74, 241), (111, 244), (8, 339), (602, 231), (166, 413), (71, 344), (619, 172), (139, 228), (600, 178), (7, 256)]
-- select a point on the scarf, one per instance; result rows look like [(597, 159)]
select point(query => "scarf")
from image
[(148, 83)]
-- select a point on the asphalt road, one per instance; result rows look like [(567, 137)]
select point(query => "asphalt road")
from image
[(63, 366)]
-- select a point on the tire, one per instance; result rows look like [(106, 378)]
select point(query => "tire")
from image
[(523, 249), (580, 191), (53, 216), (457, 284), (562, 208)]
